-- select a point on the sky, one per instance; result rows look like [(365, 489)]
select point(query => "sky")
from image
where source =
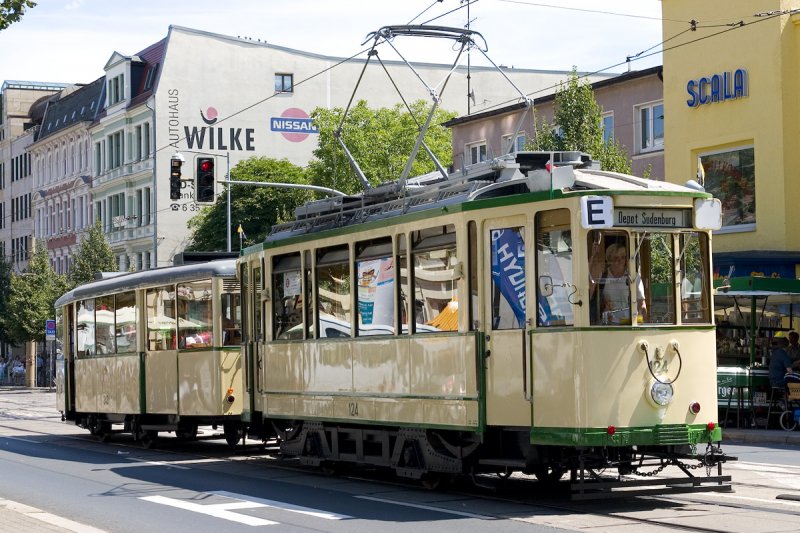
[(69, 41)]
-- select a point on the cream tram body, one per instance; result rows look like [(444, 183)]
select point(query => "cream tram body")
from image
[(478, 320), (156, 350)]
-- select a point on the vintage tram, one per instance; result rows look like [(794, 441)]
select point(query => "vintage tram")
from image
[(150, 351), (529, 313)]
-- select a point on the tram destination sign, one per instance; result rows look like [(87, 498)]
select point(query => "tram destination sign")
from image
[(649, 217)]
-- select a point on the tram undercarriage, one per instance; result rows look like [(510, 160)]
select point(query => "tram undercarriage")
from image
[(430, 454), (145, 429)]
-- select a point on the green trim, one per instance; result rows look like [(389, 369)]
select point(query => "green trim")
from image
[(360, 422), (663, 435)]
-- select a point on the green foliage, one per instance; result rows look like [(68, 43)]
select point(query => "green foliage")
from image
[(31, 298), (93, 254), (380, 140), (12, 10), (5, 287), (578, 117), (255, 208)]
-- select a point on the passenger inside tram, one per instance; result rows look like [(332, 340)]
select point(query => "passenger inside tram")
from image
[(609, 281)]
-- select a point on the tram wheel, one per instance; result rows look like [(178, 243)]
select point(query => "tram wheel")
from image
[(433, 480), (233, 434), (549, 474), (187, 433), (103, 431), (787, 420), (148, 438)]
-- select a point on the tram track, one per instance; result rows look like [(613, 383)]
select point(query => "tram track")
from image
[(535, 498)]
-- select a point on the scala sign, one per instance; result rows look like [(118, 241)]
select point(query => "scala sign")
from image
[(717, 88)]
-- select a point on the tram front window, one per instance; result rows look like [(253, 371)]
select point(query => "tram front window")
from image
[(637, 271)]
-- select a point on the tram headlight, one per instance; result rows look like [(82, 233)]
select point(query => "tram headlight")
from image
[(661, 393)]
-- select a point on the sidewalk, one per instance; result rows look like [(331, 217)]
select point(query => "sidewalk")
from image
[(760, 436)]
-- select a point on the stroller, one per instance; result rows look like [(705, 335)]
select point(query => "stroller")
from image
[(790, 417)]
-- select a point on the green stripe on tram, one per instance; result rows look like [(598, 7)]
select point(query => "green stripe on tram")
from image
[(663, 435)]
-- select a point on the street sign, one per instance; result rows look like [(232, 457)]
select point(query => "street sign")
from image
[(50, 330)]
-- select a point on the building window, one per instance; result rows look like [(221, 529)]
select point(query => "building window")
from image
[(476, 152), (731, 176), (116, 89), (651, 127), (151, 76), (284, 83), (608, 127), (116, 150), (517, 146)]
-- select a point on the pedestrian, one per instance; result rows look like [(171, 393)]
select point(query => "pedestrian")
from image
[(39, 370), (780, 363)]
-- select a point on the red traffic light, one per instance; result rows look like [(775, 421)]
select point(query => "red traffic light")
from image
[(206, 165)]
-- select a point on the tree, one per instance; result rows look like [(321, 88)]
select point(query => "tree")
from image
[(93, 254), (31, 298), (380, 140), (12, 10), (255, 208), (5, 287), (577, 116)]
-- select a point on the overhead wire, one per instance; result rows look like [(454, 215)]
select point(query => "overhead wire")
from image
[(641, 55)]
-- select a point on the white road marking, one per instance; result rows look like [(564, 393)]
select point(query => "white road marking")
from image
[(23, 440), (427, 507), (158, 463), (220, 510), (284, 506), (747, 498), (786, 475), (49, 518)]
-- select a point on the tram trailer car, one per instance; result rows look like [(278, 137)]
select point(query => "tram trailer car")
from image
[(150, 351), (530, 313)]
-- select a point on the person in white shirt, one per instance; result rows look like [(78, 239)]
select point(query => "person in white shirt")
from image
[(615, 287)]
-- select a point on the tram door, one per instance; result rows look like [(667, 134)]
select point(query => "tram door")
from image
[(507, 375)]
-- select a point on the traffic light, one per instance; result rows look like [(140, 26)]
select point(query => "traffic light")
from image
[(175, 178), (204, 187)]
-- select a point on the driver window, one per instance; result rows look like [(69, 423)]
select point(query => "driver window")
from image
[(610, 280), (554, 304)]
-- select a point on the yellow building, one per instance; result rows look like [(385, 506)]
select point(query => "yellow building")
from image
[(732, 119)]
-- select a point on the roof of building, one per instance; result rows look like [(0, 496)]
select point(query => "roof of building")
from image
[(80, 105), (622, 78), (33, 85)]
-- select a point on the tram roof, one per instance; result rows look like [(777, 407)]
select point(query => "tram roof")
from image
[(555, 174), (150, 278)]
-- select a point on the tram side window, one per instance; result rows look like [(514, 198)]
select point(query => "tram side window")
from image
[(508, 278), (125, 322), (655, 262), (693, 264), (287, 300), (258, 319), (333, 292), (435, 281), (104, 326), (554, 306), (85, 327), (231, 311), (161, 319), (610, 279), (195, 317), (376, 287)]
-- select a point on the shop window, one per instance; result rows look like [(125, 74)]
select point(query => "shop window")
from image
[(730, 176)]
